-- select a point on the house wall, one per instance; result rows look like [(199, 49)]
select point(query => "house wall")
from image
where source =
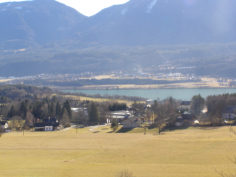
[(229, 116), (6, 126), (130, 124), (48, 128)]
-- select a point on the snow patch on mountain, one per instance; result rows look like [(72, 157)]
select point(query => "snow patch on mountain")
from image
[(124, 11), (18, 8), (138, 4), (150, 6)]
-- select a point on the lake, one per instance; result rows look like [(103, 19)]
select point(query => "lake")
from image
[(183, 94)]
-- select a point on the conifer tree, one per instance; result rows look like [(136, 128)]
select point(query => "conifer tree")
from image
[(68, 108), (93, 113), (12, 111), (58, 109)]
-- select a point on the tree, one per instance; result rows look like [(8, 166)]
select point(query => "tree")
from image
[(23, 109), (148, 114), (66, 106), (166, 112), (16, 122), (114, 125), (29, 119), (103, 110), (51, 110), (58, 109), (138, 108), (65, 118), (215, 105), (12, 111), (78, 117), (154, 107), (93, 113), (197, 104)]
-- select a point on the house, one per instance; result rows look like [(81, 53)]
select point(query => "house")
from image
[(185, 105), (46, 126), (131, 122), (186, 118), (229, 112), (149, 102), (80, 109), (118, 116), (4, 125), (49, 124)]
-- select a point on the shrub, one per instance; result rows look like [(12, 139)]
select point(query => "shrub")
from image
[(124, 173), (114, 125), (67, 125)]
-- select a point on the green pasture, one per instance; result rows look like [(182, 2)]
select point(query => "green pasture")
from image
[(99, 152)]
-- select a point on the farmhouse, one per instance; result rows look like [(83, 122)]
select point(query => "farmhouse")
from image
[(118, 116), (46, 126), (186, 118), (4, 124), (50, 124), (229, 112), (131, 122), (185, 105)]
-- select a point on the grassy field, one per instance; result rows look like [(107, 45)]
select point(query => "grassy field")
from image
[(177, 85), (191, 152), (5, 80), (81, 98)]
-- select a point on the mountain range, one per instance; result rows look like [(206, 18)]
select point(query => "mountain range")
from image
[(138, 22), (43, 31)]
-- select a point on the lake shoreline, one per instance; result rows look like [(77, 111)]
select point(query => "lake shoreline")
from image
[(161, 93), (135, 88)]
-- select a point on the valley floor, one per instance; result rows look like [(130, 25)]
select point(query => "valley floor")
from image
[(187, 152)]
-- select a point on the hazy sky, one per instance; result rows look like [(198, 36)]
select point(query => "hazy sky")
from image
[(87, 7)]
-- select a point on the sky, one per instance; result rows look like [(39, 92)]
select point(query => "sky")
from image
[(87, 7)]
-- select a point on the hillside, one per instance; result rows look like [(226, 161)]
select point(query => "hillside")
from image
[(45, 36), (162, 22), (35, 23)]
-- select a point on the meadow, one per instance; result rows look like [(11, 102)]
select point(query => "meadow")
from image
[(190, 152)]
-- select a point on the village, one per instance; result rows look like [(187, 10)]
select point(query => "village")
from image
[(157, 114), (134, 74)]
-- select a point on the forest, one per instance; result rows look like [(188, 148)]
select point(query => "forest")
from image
[(208, 59)]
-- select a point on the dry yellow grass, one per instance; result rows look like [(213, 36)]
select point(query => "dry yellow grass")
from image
[(74, 97), (191, 152), (177, 85), (5, 80)]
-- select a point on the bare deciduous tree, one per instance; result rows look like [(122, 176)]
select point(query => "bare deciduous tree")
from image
[(16, 122), (29, 119), (65, 118), (165, 112)]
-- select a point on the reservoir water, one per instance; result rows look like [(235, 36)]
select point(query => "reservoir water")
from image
[(183, 94)]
